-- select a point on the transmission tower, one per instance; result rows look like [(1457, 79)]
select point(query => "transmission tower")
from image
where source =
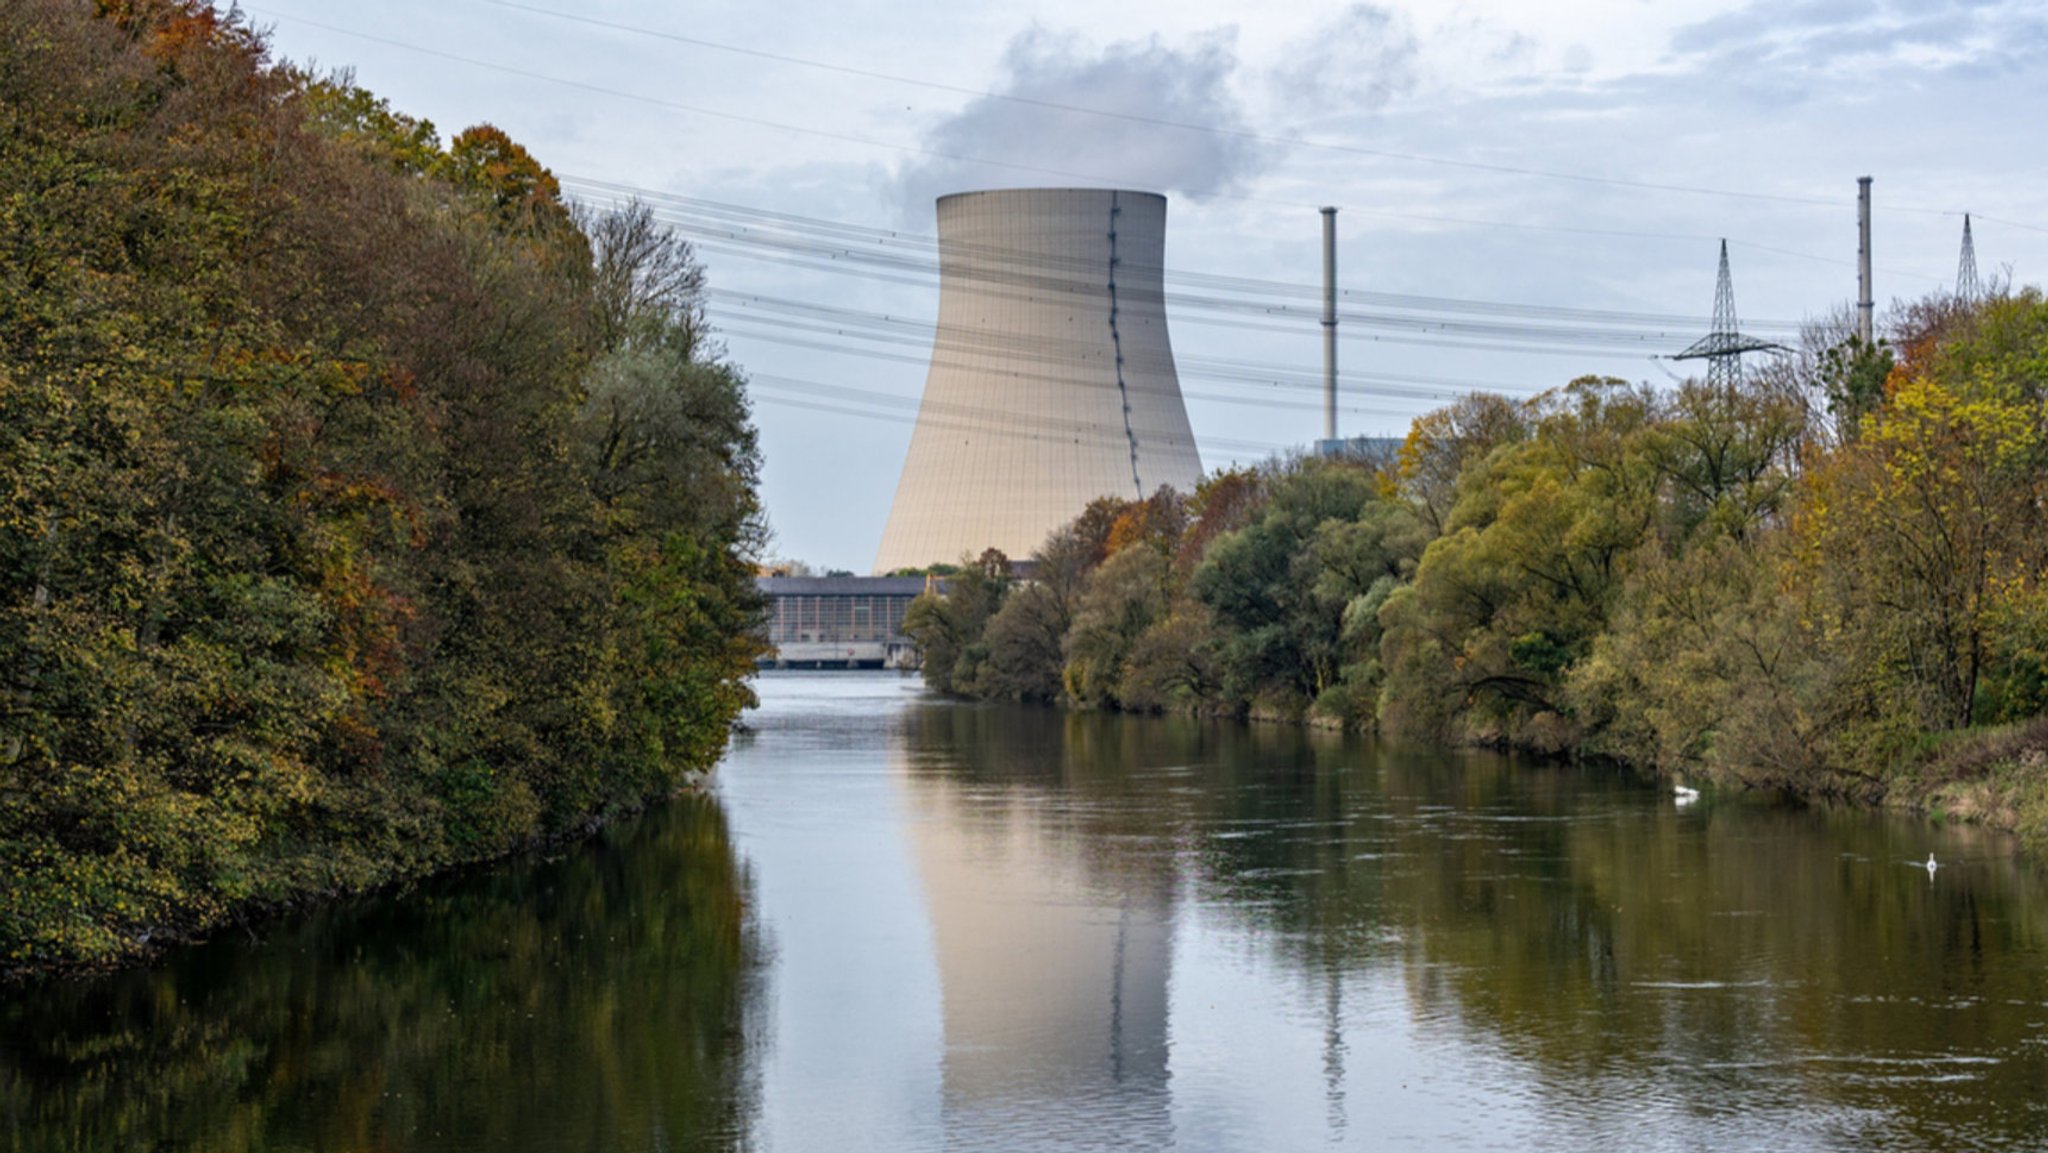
[(1966, 269), (1722, 348)]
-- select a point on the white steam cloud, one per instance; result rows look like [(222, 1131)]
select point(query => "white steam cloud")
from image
[(1148, 84)]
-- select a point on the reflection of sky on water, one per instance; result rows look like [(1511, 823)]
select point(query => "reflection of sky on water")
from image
[(1023, 930), (852, 1062)]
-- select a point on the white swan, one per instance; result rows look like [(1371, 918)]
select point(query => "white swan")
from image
[(1931, 866), (1686, 796)]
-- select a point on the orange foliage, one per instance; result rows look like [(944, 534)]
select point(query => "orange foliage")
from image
[(1222, 503), (167, 30), (1157, 521), (524, 193)]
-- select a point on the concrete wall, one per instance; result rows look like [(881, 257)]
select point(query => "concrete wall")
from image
[(1052, 379)]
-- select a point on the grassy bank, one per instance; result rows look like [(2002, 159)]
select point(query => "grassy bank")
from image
[(1996, 776)]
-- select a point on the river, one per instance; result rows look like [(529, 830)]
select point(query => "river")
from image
[(897, 923)]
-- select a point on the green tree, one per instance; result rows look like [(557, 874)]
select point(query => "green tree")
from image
[(948, 626), (1126, 595), (1026, 635), (1532, 557), (1280, 630)]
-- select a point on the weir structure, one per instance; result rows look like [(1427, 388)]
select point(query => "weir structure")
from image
[(1051, 380)]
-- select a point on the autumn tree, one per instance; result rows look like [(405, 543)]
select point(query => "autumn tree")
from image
[(1930, 526), (1533, 553), (1442, 443), (339, 544), (1027, 635), (517, 189)]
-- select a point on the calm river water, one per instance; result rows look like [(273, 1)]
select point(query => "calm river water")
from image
[(902, 924)]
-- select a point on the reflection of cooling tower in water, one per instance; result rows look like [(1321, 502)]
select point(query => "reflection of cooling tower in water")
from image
[(1051, 380), (1055, 983)]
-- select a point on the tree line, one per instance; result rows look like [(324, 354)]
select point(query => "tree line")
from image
[(1827, 577), (365, 507)]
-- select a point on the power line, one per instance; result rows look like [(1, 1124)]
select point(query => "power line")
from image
[(992, 424), (615, 191), (1162, 122), (1230, 373), (2007, 223), (734, 228), (753, 121), (1069, 174), (1589, 340)]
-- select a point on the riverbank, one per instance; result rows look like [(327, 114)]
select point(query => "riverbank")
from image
[(1995, 777), (365, 512), (153, 946), (1828, 579)]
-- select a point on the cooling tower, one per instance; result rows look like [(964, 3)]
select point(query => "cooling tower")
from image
[(1051, 378)]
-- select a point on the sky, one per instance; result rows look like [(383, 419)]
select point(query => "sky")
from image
[(1527, 191)]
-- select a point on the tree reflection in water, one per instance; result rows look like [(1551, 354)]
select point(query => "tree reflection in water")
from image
[(1146, 934), (1744, 965), (600, 999)]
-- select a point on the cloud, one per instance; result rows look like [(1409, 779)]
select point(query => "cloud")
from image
[(1844, 38), (1355, 63), (1043, 142)]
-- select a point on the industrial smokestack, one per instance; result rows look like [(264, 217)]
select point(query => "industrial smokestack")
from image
[(1330, 324), (1052, 379), (1865, 304)]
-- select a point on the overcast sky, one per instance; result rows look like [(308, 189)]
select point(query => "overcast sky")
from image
[(1581, 155)]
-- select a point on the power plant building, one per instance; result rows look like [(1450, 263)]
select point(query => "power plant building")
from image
[(842, 622), (1052, 379)]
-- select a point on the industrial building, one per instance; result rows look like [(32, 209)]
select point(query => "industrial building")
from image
[(1373, 449), (839, 622), (1052, 380)]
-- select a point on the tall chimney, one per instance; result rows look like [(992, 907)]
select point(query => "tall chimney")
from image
[(1330, 324), (1864, 303)]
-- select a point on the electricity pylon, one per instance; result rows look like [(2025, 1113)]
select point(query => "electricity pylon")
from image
[(1967, 288), (1722, 348)]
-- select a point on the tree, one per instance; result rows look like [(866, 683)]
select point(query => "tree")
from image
[(1026, 636), (337, 548), (1280, 633), (1727, 454), (1933, 518), (1124, 597), (948, 627), (1023, 640), (646, 283), (518, 190), (1533, 554), (336, 105), (1441, 444)]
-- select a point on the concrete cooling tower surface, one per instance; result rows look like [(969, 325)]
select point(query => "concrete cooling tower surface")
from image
[(1051, 380)]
